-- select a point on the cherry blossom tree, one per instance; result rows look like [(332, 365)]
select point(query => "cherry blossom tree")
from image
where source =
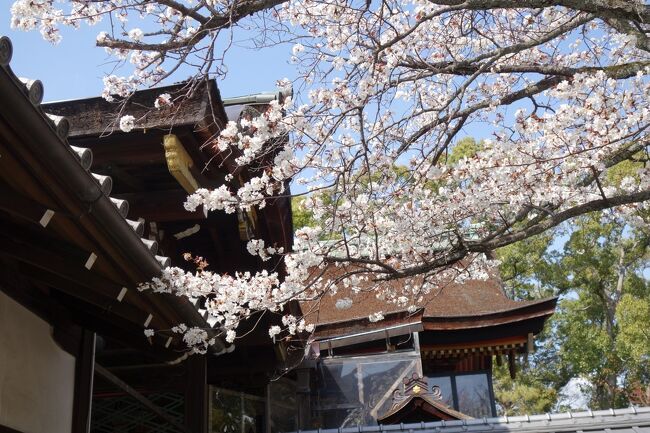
[(560, 89)]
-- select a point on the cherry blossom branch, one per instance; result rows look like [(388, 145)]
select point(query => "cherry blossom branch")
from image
[(555, 91), (622, 9)]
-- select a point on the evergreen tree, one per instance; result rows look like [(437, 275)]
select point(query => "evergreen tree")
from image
[(600, 331)]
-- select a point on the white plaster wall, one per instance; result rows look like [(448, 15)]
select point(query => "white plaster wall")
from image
[(36, 376)]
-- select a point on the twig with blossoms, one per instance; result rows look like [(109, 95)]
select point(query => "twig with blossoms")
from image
[(558, 94)]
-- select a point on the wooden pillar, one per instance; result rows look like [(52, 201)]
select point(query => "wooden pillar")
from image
[(83, 383), (512, 367), (303, 392), (196, 394)]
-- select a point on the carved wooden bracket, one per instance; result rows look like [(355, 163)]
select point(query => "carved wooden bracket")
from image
[(179, 163)]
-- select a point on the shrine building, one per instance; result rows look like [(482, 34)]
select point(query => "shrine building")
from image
[(87, 213)]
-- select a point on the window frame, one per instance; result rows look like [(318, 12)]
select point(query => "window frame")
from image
[(454, 391), (359, 361)]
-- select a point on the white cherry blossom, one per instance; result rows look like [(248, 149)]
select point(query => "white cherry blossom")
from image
[(163, 100), (557, 95), (127, 123)]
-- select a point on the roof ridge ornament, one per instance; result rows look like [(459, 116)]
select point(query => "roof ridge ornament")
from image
[(415, 386), (6, 51)]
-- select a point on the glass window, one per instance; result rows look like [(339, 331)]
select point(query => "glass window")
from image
[(283, 406), (236, 412), (470, 394), (339, 384), (335, 418), (225, 412), (379, 381), (446, 391), (474, 395), (252, 415), (357, 390)]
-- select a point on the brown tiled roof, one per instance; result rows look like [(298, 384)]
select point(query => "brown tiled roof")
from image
[(96, 117), (473, 303)]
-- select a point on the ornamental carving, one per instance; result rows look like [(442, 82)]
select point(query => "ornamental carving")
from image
[(416, 386)]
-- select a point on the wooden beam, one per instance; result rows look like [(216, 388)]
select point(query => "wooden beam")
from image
[(512, 366), (142, 150), (179, 163), (72, 278), (107, 302), (208, 175), (62, 259), (121, 175), (139, 397), (22, 207), (91, 317), (83, 383), (160, 206), (196, 394), (40, 227), (62, 266)]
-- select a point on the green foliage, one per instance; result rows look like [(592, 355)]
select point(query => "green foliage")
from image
[(600, 331), (527, 395), (301, 217), (623, 169), (633, 342), (464, 148), (526, 268)]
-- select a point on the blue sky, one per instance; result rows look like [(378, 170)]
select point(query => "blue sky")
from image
[(74, 68)]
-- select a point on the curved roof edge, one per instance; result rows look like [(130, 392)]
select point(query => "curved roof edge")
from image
[(542, 308), (534, 309), (437, 405)]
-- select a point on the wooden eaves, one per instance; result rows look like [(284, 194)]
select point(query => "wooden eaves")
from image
[(196, 118), (419, 407), (87, 247)]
